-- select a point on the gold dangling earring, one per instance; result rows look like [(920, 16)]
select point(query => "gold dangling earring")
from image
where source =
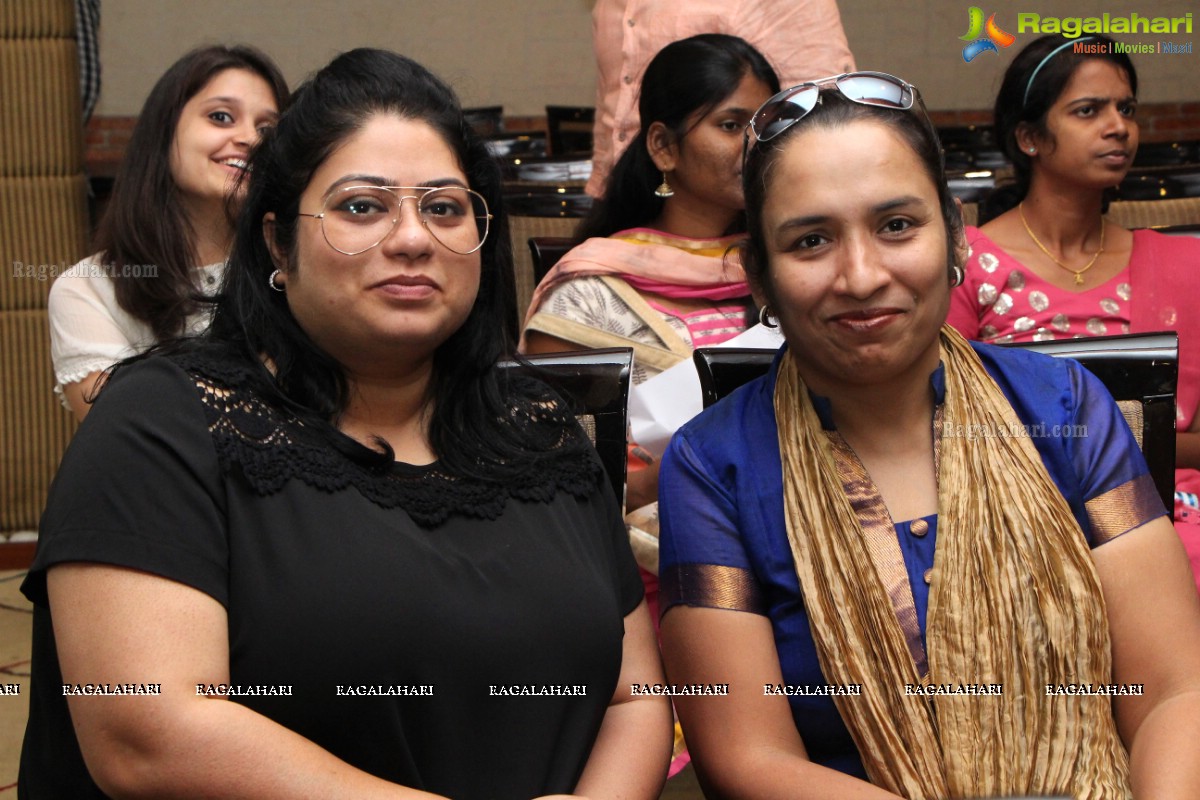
[(664, 189)]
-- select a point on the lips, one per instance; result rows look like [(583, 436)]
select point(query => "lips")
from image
[(406, 287), (864, 314), (407, 280), (234, 162), (1115, 156), (866, 320)]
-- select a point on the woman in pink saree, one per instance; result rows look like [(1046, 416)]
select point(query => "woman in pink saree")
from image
[(1048, 265)]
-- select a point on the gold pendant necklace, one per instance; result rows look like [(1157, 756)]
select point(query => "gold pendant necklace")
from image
[(1078, 273)]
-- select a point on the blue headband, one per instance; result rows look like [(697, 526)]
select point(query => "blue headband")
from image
[(1042, 63)]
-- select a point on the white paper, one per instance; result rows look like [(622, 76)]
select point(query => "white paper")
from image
[(660, 405)]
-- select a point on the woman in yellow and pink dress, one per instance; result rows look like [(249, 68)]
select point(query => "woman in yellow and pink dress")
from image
[(653, 271)]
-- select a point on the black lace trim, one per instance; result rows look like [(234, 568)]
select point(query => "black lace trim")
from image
[(269, 446)]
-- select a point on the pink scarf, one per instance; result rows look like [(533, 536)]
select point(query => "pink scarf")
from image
[(1165, 274), (654, 262)]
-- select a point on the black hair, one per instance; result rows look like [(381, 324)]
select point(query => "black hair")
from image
[(144, 222), (833, 111), (468, 396), (1022, 101), (684, 82)]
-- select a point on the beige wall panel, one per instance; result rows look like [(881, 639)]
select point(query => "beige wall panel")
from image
[(34, 427), (39, 108), (521, 230), (42, 232), (522, 55), (918, 40), (531, 53)]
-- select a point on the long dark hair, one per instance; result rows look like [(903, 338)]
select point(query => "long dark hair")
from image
[(686, 79), (145, 223), (835, 111), (1025, 97), (467, 394)]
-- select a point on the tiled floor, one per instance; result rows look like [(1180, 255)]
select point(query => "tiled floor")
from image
[(15, 621)]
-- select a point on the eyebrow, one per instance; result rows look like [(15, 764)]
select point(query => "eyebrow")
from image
[(1101, 100), (878, 208), (377, 180)]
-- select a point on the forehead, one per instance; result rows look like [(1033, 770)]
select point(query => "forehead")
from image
[(750, 93), (397, 150), (236, 83), (843, 167), (1096, 78)]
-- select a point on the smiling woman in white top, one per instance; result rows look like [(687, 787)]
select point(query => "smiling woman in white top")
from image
[(162, 243)]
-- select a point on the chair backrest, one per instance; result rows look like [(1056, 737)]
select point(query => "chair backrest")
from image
[(485, 120), (1150, 187), (723, 369), (521, 229), (1153, 154), (1140, 370), (570, 129), (1154, 213), (546, 251), (596, 383)]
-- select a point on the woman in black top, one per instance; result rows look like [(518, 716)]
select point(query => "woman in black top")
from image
[(336, 552)]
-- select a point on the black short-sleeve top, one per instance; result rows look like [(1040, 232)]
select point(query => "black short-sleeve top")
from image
[(448, 635)]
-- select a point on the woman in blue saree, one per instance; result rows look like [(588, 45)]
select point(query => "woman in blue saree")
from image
[(921, 567)]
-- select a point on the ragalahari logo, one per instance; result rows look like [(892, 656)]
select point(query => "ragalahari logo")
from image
[(993, 35)]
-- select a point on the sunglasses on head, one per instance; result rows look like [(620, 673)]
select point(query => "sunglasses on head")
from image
[(792, 105)]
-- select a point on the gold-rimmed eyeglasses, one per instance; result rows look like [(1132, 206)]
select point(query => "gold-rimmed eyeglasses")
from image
[(356, 218)]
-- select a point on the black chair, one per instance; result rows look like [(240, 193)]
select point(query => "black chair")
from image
[(550, 200), (1140, 370), (546, 251), (570, 129), (1158, 154), (596, 383), (723, 369), (485, 120), (1150, 187)]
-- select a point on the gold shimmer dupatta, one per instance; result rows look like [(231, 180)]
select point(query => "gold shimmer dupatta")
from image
[(1014, 601)]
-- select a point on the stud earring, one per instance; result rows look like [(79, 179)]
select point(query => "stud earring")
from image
[(664, 189), (271, 281), (1033, 151)]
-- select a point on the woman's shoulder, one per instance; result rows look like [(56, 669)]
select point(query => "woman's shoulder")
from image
[(199, 373), (87, 278), (1147, 239), (748, 409), (981, 242), (150, 373), (1028, 374)]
